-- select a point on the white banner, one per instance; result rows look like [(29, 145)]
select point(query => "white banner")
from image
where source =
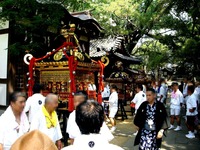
[(3, 55)]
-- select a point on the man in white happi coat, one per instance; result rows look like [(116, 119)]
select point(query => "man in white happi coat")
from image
[(105, 97), (47, 122), (139, 97), (185, 94), (113, 106), (35, 102), (162, 91), (197, 92), (191, 105), (13, 122), (90, 118), (72, 127)]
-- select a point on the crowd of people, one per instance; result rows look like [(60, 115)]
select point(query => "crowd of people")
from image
[(87, 126), (151, 115), (42, 117)]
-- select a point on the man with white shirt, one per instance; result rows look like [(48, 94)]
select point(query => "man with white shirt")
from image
[(191, 113), (197, 92), (35, 102), (139, 98), (46, 120), (90, 118), (13, 122), (175, 106), (106, 92), (185, 93), (185, 87), (105, 96), (162, 91), (113, 106), (72, 127)]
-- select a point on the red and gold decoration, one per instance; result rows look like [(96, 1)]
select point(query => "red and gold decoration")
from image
[(70, 66), (101, 86)]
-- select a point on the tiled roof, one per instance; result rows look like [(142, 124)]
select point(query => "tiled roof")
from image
[(129, 58), (87, 17), (84, 15), (99, 47), (133, 71)]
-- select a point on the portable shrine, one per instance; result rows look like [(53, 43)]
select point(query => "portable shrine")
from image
[(65, 70)]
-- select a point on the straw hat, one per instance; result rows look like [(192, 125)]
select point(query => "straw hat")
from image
[(34, 140)]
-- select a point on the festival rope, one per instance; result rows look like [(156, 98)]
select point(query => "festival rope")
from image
[(72, 68), (34, 60), (101, 87)]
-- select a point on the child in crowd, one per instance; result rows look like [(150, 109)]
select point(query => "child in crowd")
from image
[(175, 106), (191, 113)]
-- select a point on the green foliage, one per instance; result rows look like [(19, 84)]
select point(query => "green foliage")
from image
[(155, 55), (131, 18)]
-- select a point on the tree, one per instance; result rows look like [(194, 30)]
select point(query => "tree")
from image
[(155, 57), (174, 23), (34, 24)]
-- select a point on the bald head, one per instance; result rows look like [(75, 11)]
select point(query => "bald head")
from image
[(51, 102), (51, 98)]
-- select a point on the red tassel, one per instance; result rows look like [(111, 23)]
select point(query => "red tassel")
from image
[(31, 81), (32, 64), (72, 67), (70, 103), (99, 98), (101, 87)]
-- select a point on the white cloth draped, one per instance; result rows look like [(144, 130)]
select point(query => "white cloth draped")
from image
[(10, 130)]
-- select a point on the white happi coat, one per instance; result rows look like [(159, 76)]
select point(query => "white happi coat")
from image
[(74, 131), (39, 123), (10, 130)]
